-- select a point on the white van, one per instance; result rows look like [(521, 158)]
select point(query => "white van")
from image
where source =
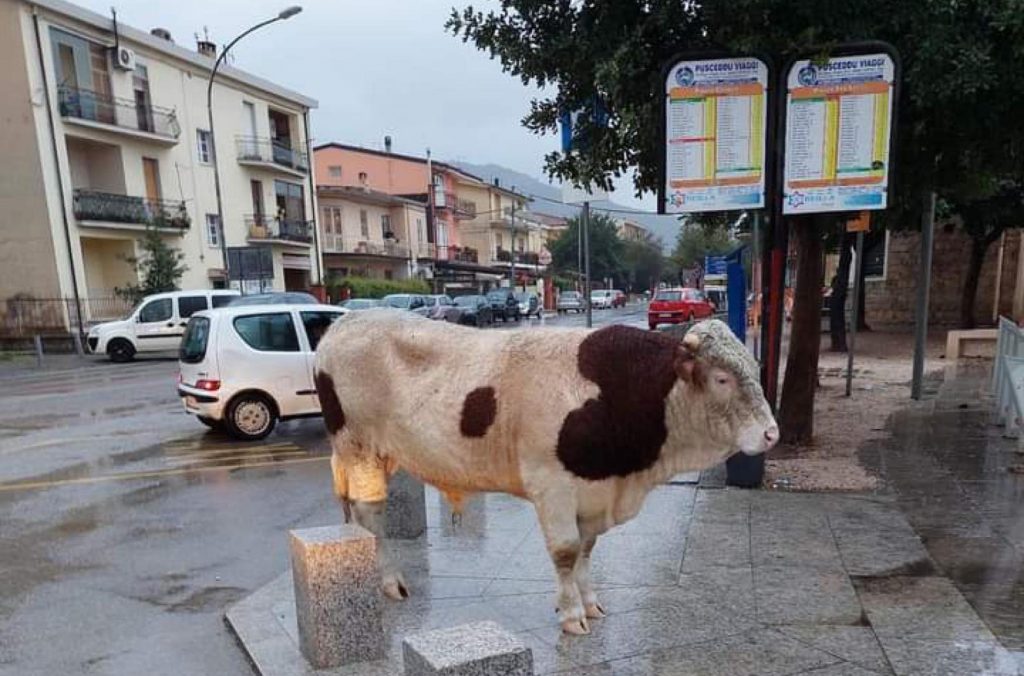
[(243, 368), (156, 324)]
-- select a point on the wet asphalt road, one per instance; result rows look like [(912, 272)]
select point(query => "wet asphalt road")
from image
[(127, 528)]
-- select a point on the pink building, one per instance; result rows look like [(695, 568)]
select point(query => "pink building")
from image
[(339, 165)]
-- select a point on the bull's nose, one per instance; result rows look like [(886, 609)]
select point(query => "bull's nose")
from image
[(771, 436)]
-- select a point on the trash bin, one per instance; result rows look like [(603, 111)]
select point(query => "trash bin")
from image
[(744, 471)]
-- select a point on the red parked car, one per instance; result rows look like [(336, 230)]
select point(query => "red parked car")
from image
[(618, 298), (675, 306)]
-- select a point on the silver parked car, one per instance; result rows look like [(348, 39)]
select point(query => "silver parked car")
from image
[(412, 302), (570, 301)]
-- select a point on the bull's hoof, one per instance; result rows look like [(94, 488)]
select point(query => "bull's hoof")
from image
[(576, 627), (595, 611), (395, 589)]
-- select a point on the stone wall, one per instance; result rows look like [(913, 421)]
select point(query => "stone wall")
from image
[(889, 302)]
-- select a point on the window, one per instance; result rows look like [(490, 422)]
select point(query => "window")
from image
[(203, 145), (498, 240), (364, 224), (389, 274), (421, 230), (156, 311), (268, 332), (213, 230), (193, 344), (334, 171), (316, 324), (363, 178), (522, 245), (189, 305), (385, 226), (874, 259), (220, 300), (291, 204), (442, 233), (439, 196)]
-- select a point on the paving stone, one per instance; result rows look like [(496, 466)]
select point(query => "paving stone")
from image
[(717, 544), (480, 649), (944, 657), (406, 507), (842, 669), (788, 595), (337, 597), (919, 607), (857, 645), (875, 539)]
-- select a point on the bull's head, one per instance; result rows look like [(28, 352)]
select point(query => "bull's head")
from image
[(724, 378)]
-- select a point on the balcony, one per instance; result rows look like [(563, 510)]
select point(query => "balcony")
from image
[(100, 111), (521, 257), (101, 209), (264, 228), (267, 153), (334, 244), (461, 207)]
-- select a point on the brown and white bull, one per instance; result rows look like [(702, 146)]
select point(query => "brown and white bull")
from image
[(581, 423)]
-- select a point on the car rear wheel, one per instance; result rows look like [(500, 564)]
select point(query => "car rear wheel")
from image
[(652, 327), (250, 417), (120, 350)]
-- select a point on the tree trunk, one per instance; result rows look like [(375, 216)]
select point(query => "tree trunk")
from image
[(837, 304), (796, 411), (979, 247)]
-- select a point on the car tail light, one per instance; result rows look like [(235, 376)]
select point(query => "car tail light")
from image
[(208, 385)]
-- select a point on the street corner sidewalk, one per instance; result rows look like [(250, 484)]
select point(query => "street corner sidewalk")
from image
[(703, 581)]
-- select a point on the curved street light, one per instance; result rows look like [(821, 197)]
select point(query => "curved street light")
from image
[(286, 13)]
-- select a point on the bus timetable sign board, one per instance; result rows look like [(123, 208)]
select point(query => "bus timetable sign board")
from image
[(839, 119), (715, 129)]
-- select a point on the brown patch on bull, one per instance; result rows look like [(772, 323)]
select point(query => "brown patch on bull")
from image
[(565, 557), (334, 416), (622, 430), (478, 412)]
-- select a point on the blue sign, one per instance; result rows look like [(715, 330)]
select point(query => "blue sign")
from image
[(567, 121), (714, 265)]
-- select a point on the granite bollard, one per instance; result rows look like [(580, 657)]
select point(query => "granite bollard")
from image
[(407, 507), (478, 649), (337, 595)]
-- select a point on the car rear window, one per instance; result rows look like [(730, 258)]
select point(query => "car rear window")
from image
[(222, 299), (669, 295), (271, 332), (316, 325), (193, 343)]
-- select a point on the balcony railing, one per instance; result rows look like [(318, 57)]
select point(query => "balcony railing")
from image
[(335, 244), (92, 205), (267, 227), (85, 104), (265, 150), (524, 257)]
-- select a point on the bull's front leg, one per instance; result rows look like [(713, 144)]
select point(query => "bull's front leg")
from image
[(557, 514), (589, 530)]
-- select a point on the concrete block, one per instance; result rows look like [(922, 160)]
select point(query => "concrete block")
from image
[(478, 649), (407, 507), (337, 597)]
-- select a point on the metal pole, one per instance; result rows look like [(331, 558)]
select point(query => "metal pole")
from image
[(586, 261), (755, 277), (854, 318), (512, 247), (37, 339), (924, 280)]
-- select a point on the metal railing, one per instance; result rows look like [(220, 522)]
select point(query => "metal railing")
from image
[(24, 316), (85, 104), (524, 257), (94, 205), (260, 149), (1008, 376), (267, 227)]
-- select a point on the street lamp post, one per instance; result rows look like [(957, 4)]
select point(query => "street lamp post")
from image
[(284, 14)]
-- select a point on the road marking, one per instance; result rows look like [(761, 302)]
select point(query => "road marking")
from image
[(216, 450), (29, 485), (184, 461)]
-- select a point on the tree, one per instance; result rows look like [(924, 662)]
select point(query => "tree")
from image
[(159, 266), (956, 125), (606, 249), (695, 241), (643, 263)]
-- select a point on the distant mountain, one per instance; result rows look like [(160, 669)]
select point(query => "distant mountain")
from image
[(548, 200)]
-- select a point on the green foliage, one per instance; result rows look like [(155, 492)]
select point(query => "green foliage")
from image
[(365, 287), (696, 241), (606, 249), (160, 266), (643, 264)]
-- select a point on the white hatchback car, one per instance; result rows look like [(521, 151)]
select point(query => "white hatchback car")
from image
[(244, 368), (602, 299)]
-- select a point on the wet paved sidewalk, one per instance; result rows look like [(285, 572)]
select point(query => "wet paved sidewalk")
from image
[(704, 581), (958, 482)]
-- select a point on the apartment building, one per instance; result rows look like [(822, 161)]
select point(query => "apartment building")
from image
[(630, 231), (451, 198), (106, 134), (368, 233), (504, 229)]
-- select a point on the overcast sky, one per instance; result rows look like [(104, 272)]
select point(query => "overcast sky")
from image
[(377, 67)]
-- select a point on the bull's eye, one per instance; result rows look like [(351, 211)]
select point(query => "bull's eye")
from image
[(722, 380)]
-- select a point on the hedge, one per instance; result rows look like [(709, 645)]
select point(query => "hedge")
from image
[(365, 287)]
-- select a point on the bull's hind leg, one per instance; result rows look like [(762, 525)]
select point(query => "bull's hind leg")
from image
[(361, 481), (557, 515)]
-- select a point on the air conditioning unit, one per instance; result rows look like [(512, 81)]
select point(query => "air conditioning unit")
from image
[(124, 58)]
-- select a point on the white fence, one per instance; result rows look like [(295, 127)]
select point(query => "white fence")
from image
[(1008, 376)]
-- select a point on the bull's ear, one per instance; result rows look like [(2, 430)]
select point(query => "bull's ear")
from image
[(688, 367)]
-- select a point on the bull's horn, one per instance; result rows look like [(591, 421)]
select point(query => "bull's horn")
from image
[(691, 341)]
